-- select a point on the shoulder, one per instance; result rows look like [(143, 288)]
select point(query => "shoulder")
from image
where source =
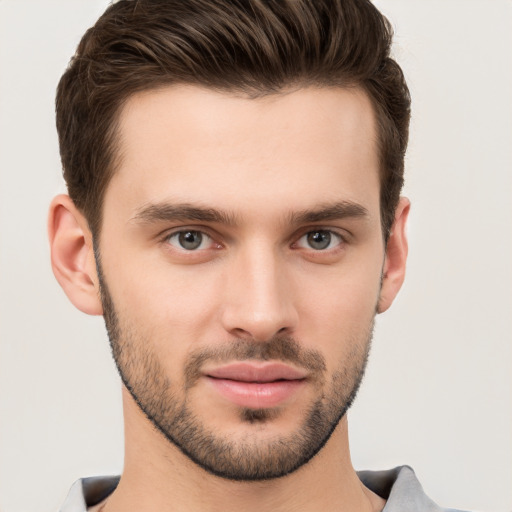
[(402, 490), (87, 492)]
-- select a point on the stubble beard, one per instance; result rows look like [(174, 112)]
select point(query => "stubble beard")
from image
[(247, 458)]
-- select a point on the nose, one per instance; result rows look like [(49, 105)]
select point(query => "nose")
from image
[(258, 296)]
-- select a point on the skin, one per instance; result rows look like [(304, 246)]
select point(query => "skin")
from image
[(263, 162)]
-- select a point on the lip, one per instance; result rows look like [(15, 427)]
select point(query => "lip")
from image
[(256, 372), (256, 385)]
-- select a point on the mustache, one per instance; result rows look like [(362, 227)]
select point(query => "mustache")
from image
[(279, 348)]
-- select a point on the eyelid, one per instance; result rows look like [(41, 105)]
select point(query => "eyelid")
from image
[(166, 235), (335, 241), (339, 233)]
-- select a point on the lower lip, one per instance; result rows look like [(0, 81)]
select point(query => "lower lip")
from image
[(256, 395)]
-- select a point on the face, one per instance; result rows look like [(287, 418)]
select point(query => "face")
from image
[(240, 259)]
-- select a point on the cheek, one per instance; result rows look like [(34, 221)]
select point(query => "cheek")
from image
[(168, 307), (339, 314)]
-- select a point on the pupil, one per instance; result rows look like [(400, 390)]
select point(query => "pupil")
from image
[(319, 239), (190, 239)]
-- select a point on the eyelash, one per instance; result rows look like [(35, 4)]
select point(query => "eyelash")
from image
[(340, 240), (167, 238), (333, 236)]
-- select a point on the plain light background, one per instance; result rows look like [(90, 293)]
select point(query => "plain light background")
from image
[(437, 394)]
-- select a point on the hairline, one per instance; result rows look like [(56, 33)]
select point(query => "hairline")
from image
[(115, 154)]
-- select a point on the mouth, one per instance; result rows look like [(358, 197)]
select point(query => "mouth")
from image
[(256, 385)]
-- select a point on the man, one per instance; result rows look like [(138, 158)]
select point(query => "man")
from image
[(234, 173)]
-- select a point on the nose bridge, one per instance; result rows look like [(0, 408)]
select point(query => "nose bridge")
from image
[(258, 303)]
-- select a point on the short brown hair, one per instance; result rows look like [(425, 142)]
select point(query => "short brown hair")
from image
[(255, 47)]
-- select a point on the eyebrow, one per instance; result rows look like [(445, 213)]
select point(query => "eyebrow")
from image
[(167, 212), (330, 211)]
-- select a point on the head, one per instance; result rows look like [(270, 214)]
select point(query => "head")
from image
[(254, 48), (234, 172)]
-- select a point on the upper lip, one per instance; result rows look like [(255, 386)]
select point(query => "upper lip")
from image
[(256, 372)]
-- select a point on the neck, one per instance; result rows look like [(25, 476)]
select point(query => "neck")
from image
[(158, 476)]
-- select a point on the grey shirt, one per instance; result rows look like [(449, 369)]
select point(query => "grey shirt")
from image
[(398, 486)]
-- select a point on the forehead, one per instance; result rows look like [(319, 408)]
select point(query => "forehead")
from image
[(191, 144)]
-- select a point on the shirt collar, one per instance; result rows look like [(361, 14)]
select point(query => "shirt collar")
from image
[(399, 486)]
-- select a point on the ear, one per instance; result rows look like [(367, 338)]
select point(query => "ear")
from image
[(393, 272), (72, 255)]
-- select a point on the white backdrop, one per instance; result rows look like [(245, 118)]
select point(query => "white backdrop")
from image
[(438, 390)]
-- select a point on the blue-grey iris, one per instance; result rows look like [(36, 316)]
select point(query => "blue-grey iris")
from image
[(190, 240), (319, 239)]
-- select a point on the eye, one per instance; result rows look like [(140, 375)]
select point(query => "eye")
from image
[(319, 240), (189, 240)]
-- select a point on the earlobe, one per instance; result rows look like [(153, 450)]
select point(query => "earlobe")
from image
[(393, 273), (72, 255)]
